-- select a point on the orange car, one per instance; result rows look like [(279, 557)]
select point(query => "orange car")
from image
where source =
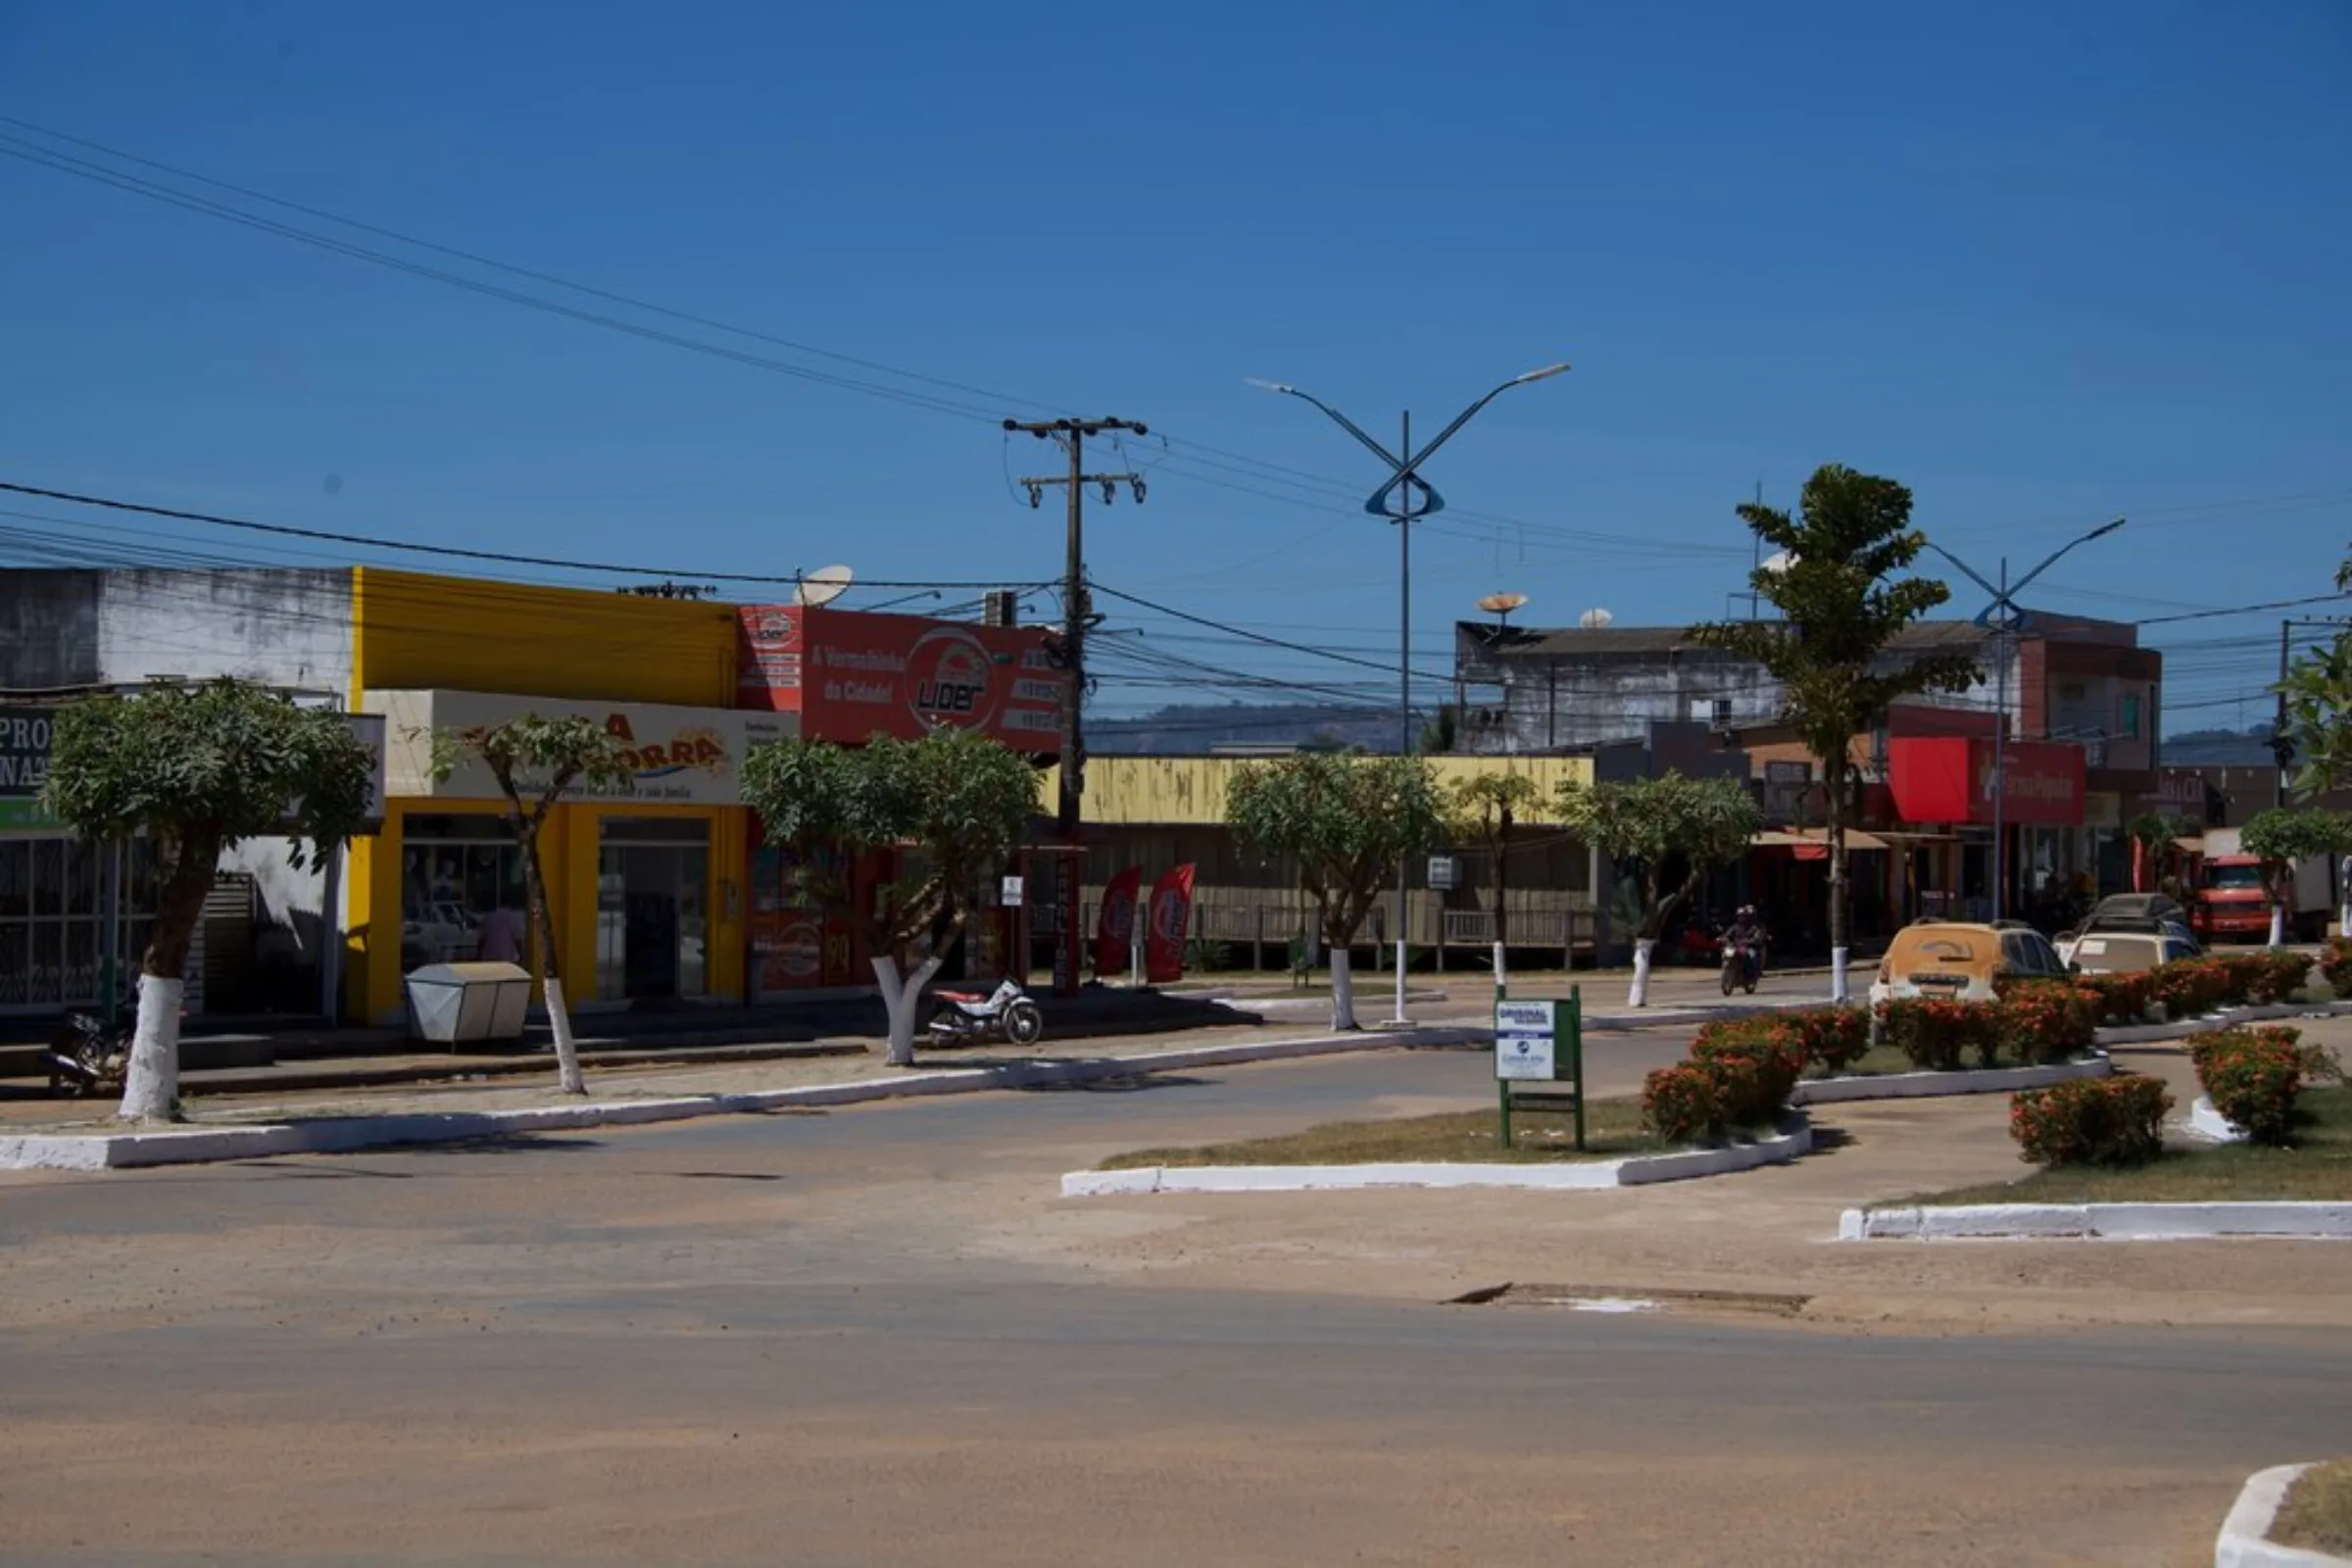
[(1953, 961)]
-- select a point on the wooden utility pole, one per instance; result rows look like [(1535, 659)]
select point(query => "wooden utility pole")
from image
[(1072, 436)]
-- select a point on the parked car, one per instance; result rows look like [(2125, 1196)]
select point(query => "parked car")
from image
[(2128, 952), (1953, 961), (2151, 914)]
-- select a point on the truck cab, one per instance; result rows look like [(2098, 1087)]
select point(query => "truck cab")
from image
[(2232, 903)]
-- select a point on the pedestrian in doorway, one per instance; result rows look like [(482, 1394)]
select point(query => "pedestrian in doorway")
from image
[(502, 936)]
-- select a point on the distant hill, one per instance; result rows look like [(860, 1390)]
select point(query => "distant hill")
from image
[(2218, 748), (1192, 729)]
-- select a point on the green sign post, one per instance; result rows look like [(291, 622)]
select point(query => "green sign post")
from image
[(1541, 1045)]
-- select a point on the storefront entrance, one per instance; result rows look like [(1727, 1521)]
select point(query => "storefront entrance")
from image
[(652, 914), (53, 919)]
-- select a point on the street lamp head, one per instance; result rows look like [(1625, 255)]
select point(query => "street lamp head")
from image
[(1268, 386), (1547, 372), (2103, 531)]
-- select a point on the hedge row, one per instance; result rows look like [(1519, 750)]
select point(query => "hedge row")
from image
[(2254, 1077), (1740, 1071), (2035, 1023), (2335, 966), (2092, 1122)]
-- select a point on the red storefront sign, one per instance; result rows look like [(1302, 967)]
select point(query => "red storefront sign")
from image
[(1949, 779), (853, 674)]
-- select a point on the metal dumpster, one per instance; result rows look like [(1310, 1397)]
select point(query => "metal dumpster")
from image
[(455, 1004)]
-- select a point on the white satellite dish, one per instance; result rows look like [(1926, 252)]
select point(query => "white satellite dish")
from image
[(823, 585), (1779, 560), (1594, 619)]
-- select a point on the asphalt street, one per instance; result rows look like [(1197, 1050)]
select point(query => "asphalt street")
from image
[(827, 1339)]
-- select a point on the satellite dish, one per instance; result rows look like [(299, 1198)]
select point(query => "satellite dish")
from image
[(1594, 619), (1501, 603), (823, 585), (1779, 560)]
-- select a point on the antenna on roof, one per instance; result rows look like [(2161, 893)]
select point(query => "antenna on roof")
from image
[(1500, 606), (822, 586), (1594, 619)]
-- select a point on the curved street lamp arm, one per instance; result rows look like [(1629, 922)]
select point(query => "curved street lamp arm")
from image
[(1972, 573), (1337, 419), (2099, 532)]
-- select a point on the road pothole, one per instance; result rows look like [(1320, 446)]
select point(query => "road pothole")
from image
[(1632, 1298)]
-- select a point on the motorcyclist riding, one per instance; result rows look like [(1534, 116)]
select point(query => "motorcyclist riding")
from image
[(1746, 936)]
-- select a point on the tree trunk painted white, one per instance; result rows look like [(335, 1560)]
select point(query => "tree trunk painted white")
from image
[(1401, 962), (2343, 921), (1498, 969), (1839, 994), (1343, 990), (151, 1085), (2277, 925), (900, 995), (567, 1051), (1638, 996)]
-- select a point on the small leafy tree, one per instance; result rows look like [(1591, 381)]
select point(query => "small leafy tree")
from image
[(1482, 809), (536, 762), (1654, 824), (2317, 739), (2155, 837), (957, 801), (199, 769), (1346, 821), (2282, 837), (1842, 612)]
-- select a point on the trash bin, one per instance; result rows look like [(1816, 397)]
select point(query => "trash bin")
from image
[(453, 1003)]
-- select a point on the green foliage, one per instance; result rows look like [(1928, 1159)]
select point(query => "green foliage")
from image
[(1650, 822), (2317, 690), (535, 759), (1680, 1106), (2253, 1077), (1840, 609), (208, 766), (2337, 966), (1345, 821), (1482, 809), (1438, 735), (1936, 1034), (958, 801), (2287, 834), (2092, 1122)]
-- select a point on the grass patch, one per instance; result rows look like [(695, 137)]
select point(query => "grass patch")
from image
[(1612, 1131), (2317, 1514), (2317, 1168)]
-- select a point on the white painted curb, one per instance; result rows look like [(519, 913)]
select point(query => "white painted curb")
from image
[(2211, 1125), (1923, 1084), (2134, 1222), (2149, 1034), (341, 1134), (1638, 1170), (2245, 1542)]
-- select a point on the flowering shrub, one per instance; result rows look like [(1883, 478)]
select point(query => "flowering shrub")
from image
[(1751, 1077), (2193, 987), (1834, 1039), (1937, 1035), (1679, 1105), (2122, 998), (2253, 1077), (2335, 966), (2274, 976), (2047, 1021), (2092, 1122)]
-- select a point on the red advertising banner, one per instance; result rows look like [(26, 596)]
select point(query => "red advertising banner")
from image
[(1949, 779), (1115, 927), (853, 674), (1171, 919)]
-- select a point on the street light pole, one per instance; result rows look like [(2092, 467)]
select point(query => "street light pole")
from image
[(1405, 479), (2004, 620)]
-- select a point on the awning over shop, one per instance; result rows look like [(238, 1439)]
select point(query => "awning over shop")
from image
[(1814, 843)]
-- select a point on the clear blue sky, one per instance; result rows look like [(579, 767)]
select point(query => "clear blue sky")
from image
[(2043, 264)]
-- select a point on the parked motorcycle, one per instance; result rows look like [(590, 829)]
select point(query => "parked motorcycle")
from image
[(86, 1059), (1008, 1013), (1743, 965)]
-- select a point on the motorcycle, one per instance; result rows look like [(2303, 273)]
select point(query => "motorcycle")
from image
[(1743, 963), (85, 1058), (1008, 1014)]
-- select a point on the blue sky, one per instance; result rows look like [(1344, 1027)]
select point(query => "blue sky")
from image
[(2046, 264)]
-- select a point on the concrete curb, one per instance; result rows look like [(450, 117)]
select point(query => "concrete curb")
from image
[(2211, 1125), (2128, 1222), (343, 1134), (1926, 1085), (1641, 1170), (2245, 1538), (2149, 1034)]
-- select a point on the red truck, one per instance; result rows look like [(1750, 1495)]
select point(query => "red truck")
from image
[(2231, 904)]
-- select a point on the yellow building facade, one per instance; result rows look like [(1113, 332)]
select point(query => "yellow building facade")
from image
[(643, 882)]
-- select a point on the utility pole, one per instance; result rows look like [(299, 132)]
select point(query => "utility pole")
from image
[(1068, 879), (2281, 749)]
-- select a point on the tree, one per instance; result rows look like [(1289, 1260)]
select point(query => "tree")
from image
[(1482, 809), (1654, 824), (2280, 838), (200, 769), (1346, 821), (2316, 741), (2154, 839), (536, 762), (1438, 736), (958, 802), (1840, 613)]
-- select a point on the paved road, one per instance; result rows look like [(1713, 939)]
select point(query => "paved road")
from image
[(827, 1340)]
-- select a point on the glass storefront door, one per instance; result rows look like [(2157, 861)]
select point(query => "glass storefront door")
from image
[(653, 919), (52, 919)]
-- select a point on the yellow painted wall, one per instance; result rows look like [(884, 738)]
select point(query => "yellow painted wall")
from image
[(412, 630), (1178, 790)]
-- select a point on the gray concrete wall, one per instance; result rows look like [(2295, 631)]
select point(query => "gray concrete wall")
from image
[(287, 629), (48, 629)]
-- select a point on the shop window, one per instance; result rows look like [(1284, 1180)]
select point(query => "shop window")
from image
[(461, 893), (2129, 719)]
